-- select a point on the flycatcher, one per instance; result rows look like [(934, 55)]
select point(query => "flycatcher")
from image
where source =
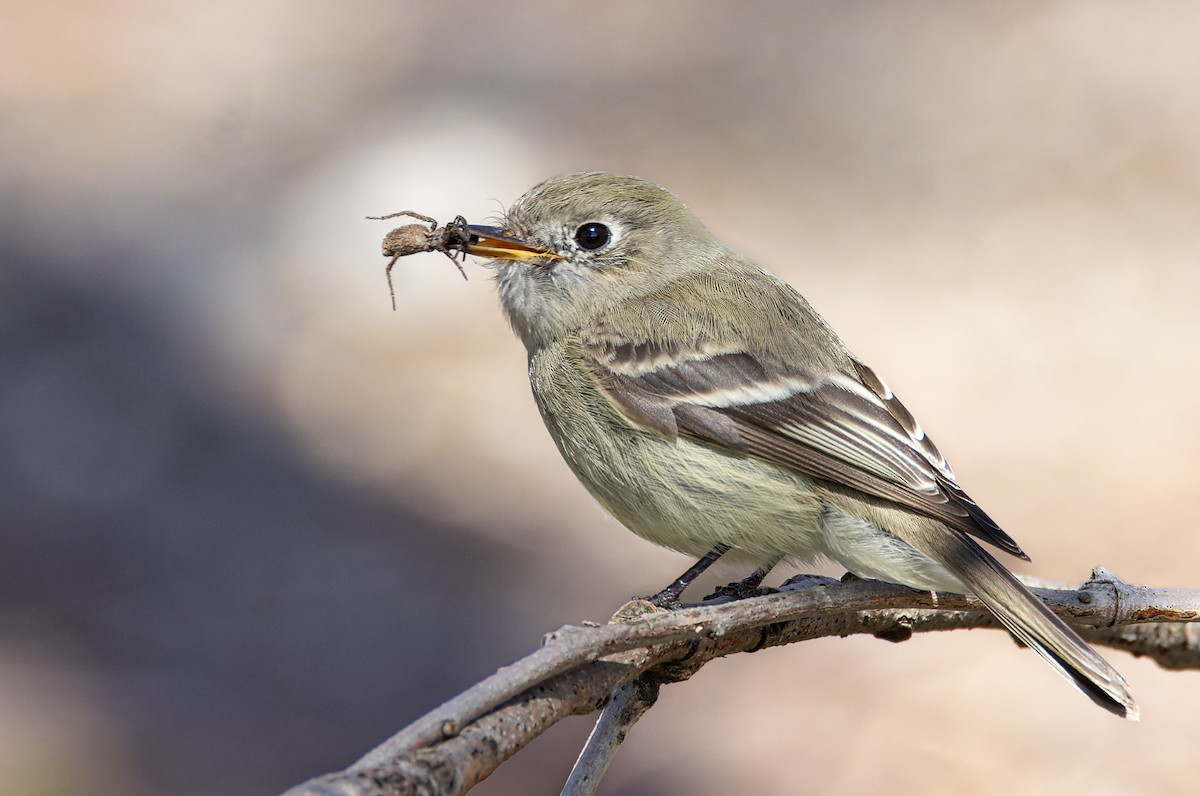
[(709, 408)]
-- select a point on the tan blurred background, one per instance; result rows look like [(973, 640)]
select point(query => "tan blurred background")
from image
[(254, 521)]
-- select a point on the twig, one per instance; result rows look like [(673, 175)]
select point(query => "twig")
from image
[(461, 742), (627, 705)]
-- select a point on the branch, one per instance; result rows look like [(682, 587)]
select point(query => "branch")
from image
[(461, 742), (627, 705)]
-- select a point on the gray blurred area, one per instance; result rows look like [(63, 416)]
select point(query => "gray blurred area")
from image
[(252, 521)]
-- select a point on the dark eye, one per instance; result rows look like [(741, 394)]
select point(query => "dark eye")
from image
[(592, 235)]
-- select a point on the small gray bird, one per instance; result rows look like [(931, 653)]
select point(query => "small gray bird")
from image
[(709, 408)]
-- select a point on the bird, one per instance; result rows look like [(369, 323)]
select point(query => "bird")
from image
[(704, 403)]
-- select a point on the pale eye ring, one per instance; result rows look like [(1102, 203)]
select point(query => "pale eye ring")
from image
[(592, 235)]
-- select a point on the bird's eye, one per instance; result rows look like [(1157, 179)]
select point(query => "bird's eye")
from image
[(592, 235)]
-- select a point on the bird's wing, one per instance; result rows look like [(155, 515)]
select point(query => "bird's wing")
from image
[(836, 425)]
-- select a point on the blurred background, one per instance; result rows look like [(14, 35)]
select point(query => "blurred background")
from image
[(254, 521)]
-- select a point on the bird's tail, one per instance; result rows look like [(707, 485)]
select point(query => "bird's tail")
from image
[(1028, 618)]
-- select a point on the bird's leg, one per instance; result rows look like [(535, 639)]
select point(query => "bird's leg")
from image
[(748, 586), (670, 595)]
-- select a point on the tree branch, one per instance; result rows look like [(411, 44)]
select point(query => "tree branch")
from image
[(461, 742), (627, 705)]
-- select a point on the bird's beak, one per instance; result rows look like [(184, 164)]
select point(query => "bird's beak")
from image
[(498, 244)]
